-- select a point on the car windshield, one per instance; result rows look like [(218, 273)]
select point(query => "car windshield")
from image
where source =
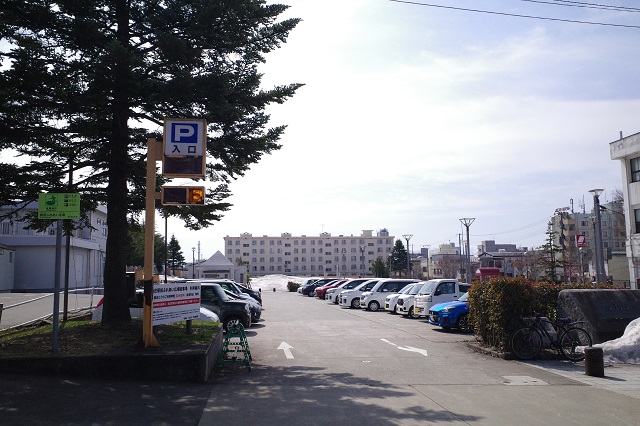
[(407, 289), (416, 288), (429, 287), (464, 298)]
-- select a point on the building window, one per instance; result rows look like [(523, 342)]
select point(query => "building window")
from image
[(635, 169), (636, 213)]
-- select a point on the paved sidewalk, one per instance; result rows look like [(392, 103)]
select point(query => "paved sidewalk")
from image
[(620, 378)]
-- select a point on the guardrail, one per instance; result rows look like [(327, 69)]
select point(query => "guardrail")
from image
[(91, 291)]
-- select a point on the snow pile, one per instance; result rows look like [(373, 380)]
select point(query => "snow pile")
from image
[(279, 282), (625, 349)]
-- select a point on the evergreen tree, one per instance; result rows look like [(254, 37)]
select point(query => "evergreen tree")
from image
[(134, 249), (551, 257), (176, 258), (81, 81), (380, 268), (398, 258)]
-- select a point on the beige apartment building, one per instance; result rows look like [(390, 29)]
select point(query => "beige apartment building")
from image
[(322, 255)]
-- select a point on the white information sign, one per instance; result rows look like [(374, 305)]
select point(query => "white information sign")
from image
[(184, 137), (174, 302)]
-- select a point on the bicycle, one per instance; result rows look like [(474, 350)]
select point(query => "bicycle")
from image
[(527, 342)]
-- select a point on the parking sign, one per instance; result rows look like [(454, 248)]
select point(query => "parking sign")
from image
[(184, 137)]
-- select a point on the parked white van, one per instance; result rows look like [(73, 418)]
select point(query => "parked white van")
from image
[(438, 291), (374, 298)]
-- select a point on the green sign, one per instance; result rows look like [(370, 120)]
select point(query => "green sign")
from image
[(58, 206)]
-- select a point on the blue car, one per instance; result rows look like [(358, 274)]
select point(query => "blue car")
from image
[(452, 314)]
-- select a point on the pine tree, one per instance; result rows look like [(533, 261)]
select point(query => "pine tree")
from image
[(176, 258), (551, 257), (83, 80), (398, 258), (379, 268)]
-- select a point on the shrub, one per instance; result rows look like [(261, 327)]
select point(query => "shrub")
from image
[(293, 286), (498, 306)]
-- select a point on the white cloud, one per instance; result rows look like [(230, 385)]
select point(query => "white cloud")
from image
[(413, 117)]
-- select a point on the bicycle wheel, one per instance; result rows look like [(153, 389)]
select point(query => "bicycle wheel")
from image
[(571, 341), (526, 343)]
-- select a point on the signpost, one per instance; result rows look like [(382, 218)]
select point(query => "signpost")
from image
[(58, 206), (183, 156)]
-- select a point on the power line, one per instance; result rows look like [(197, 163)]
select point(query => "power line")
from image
[(515, 15), (522, 228), (595, 5)]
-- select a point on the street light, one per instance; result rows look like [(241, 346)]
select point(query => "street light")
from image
[(193, 264), (600, 273), (408, 237), (467, 221)]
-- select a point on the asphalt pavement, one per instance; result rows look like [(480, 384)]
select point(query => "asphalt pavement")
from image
[(340, 366)]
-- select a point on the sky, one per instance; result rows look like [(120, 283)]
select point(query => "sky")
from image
[(413, 117)]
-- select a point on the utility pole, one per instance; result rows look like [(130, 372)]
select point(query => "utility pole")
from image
[(408, 237), (600, 272), (467, 221)]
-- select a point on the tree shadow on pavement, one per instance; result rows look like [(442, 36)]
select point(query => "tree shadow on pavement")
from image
[(299, 395), (53, 400)]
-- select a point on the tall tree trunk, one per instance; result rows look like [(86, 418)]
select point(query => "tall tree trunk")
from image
[(116, 309)]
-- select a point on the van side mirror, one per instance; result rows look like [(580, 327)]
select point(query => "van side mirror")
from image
[(215, 300)]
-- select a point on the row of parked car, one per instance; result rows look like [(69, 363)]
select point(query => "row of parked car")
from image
[(442, 302), (221, 300)]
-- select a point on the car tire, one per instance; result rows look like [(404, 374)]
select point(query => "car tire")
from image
[(462, 324), (310, 294), (410, 314), (229, 320), (355, 302), (373, 306)]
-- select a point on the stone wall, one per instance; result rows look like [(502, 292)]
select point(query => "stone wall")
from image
[(605, 313)]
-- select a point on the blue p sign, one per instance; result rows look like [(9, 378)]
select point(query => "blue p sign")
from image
[(184, 132), (184, 137)]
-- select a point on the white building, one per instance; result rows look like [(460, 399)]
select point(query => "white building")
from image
[(322, 255), (33, 254), (627, 150), (218, 266)]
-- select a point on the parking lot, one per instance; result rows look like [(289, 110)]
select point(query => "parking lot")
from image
[(318, 363)]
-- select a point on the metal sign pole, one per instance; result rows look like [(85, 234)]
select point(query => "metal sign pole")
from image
[(56, 286), (148, 337)]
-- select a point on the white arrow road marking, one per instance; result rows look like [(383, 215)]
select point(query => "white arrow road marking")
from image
[(287, 349), (407, 348), (412, 349)]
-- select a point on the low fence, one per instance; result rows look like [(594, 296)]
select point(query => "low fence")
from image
[(91, 292)]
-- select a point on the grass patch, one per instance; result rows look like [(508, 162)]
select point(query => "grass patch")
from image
[(82, 338)]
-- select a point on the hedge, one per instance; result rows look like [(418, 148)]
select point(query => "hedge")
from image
[(498, 306)]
